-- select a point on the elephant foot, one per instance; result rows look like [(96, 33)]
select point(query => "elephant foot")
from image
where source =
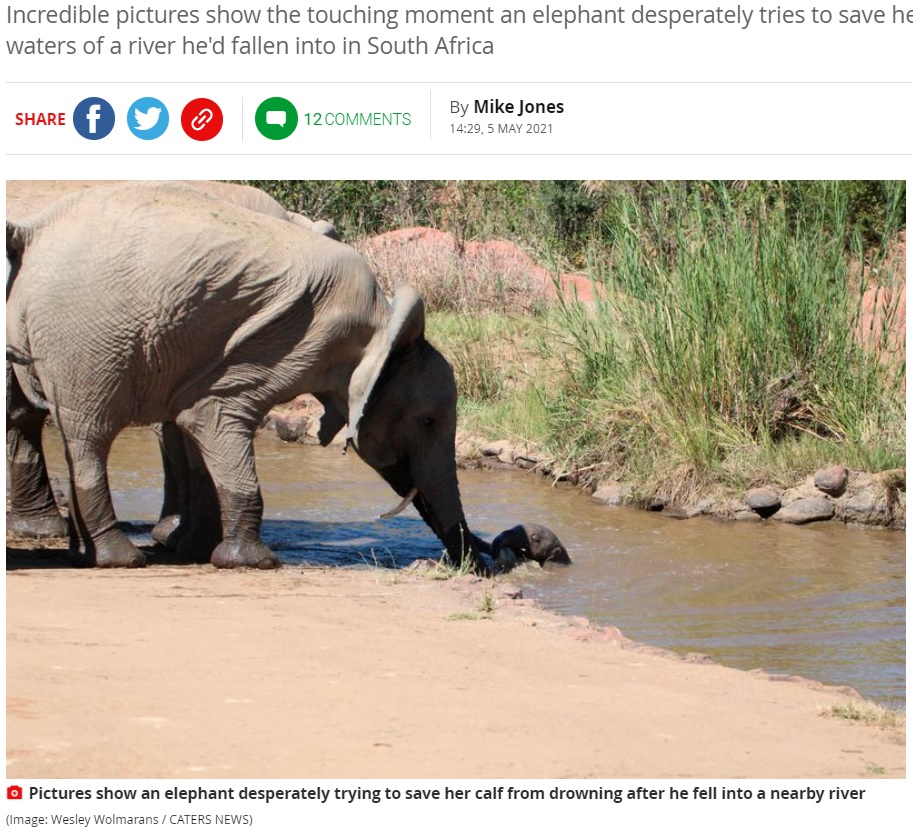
[(168, 532), (36, 526), (230, 554), (113, 551)]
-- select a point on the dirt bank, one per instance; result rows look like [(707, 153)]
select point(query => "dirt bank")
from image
[(184, 671)]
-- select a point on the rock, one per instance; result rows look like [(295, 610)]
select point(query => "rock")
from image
[(832, 480), (894, 478), (612, 493), (806, 510), (866, 509), (899, 519), (526, 459), (509, 453), (501, 449), (763, 501), (292, 426), (744, 514), (867, 501), (801, 491), (684, 512), (468, 447)]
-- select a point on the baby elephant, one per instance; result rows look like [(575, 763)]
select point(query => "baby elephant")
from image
[(527, 542)]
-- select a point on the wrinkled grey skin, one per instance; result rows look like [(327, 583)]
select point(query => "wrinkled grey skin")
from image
[(322, 227), (256, 200), (204, 315), (33, 509), (527, 542), (188, 488)]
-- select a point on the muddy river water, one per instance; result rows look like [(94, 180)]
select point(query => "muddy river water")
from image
[(827, 602)]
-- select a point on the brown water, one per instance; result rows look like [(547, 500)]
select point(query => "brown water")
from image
[(827, 602)]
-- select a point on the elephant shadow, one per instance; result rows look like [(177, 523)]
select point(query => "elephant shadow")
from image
[(390, 544)]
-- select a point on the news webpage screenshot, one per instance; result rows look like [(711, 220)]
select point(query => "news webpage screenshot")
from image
[(433, 415)]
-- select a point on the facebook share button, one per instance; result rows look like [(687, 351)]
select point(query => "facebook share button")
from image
[(147, 118), (93, 118)]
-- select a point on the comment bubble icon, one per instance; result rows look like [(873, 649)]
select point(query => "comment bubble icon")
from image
[(276, 118)]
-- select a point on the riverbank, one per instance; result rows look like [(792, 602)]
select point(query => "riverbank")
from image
[(377, 673), (834, 494), (829, 494)]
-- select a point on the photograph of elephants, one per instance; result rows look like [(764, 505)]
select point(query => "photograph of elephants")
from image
[(648, 436)]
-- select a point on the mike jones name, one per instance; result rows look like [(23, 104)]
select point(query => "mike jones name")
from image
[(495, 106)]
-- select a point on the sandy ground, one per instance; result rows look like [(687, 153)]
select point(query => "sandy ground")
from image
[(185, 671)]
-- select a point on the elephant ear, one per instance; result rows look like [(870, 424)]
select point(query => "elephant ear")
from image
[(405, 326)]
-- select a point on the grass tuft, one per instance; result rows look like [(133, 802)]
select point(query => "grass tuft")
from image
[(868, 713)]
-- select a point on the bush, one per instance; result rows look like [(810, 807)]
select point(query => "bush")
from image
[(574, 220)]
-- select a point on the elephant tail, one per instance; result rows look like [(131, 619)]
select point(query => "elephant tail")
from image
[(16, 356)]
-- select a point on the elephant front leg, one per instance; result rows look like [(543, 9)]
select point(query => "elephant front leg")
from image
[(97, 541), (225, 444)]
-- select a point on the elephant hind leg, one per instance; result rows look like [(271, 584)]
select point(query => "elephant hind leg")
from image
[(33, 509), (190, 518), (193, 528), (168, 531), (225, 445), (96, 540)]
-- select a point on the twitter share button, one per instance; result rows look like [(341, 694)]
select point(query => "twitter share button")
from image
[(147, 118)]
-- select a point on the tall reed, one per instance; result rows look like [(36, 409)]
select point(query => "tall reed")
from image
[(724, 327)]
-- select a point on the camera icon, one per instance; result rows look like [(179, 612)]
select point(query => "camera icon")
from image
[(14, 792)]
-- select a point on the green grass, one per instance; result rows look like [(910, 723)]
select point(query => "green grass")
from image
[(725, 351), (868, 713), (472, 344), (726, 335), (498, 366), (484, 610)]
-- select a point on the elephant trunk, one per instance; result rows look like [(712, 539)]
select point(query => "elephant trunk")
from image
[(461, 544), (437, 500)]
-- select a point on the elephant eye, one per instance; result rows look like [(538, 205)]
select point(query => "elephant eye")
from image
[(428, 422)]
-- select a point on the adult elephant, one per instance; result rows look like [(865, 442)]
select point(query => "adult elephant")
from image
[(33, 507), (160, 303)]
